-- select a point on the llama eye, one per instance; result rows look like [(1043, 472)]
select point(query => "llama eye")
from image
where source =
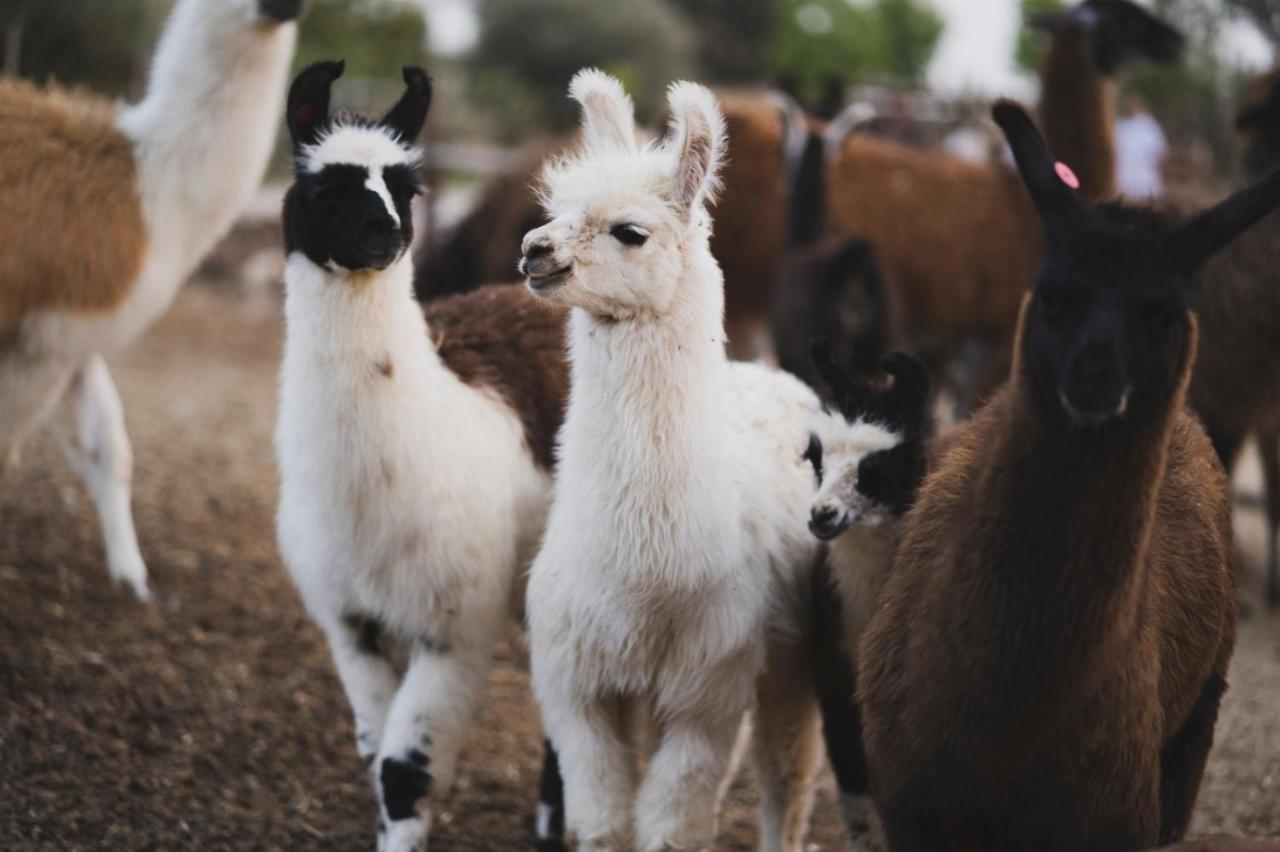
[(629, 235), (813, 455)]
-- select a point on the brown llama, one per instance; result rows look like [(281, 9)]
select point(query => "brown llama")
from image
[(1046, 661), (1236, 385)]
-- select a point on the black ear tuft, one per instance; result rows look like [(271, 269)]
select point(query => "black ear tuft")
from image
[(408, 116), (909, 396), (852, 397), (1192, 244), (308, 106), (1060, 207)]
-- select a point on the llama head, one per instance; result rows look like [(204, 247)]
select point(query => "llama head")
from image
[(624, 218), (867, 447), (1107, 330), (1259, 124), (349, 209), (1121, 32)]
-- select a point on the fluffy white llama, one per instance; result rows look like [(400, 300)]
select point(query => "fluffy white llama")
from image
[(412, 490), (672, 581), (111, 211), (868, 451)]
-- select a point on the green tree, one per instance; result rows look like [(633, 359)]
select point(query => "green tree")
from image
[(526, 56), (734, 37), (376, 38), (819, 40)]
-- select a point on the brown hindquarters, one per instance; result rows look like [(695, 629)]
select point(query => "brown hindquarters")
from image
[(505, 338), (72, 235), (959, 242)]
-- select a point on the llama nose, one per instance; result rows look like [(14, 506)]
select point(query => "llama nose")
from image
[(537, 250), (824, 522)]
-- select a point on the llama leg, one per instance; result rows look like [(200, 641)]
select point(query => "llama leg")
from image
[(550, 823), (367, 678), (1183, 758), (676, 806), (786, 749), (599, 772), (1269, 447), (29, 390), (427, 722), (100, 453)]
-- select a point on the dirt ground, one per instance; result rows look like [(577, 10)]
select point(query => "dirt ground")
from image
[(211, 719)]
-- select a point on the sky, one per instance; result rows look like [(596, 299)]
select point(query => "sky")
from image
[(975, 54)]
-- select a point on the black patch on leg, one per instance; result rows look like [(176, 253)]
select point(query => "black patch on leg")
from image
[(368, 632), (551, 797), (1183, 758), (405, 782), (836, 687)]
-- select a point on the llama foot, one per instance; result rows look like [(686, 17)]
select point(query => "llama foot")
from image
[(128, 569)]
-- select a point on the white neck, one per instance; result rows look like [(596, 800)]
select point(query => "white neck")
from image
[(649, 395), (205, 130)]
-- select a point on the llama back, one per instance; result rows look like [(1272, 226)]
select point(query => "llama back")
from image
[(68, 177)]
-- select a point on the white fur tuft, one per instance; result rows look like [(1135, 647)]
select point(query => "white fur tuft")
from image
[(608, 116)]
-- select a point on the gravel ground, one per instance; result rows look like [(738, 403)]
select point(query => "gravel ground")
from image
[(211, 719)]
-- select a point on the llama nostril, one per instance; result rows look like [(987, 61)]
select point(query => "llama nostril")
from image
[(537, 250)]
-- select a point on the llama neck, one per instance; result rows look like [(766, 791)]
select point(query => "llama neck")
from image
[(204, 132), (1077, 111), (349, 329)]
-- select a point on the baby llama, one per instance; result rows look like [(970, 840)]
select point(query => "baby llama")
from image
[(415, 478), (106, 211), (670, 590)]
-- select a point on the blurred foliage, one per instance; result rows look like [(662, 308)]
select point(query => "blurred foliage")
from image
[(1264, 13), (526, 56), (822, 40), (376, 37), (1033, 42), (734, 37), (102, 44)]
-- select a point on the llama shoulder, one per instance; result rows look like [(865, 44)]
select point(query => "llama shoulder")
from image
[(74, 236)]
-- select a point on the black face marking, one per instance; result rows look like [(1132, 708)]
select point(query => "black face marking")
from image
[(813, 455), (334, 218), (629, 235), (368, 633), (890, 477), (405, 782)]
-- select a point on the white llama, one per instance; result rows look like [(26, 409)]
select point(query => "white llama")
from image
[(868, 451), (672, 582), (415, 482), (106, 212)]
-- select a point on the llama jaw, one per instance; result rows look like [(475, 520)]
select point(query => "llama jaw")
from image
[(545, 282)]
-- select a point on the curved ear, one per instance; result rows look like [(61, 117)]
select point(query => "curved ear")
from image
[(308, 104), (698, 139), (608, 117), (1195, 242), (407, 117), (909, 396), (1060, 207)]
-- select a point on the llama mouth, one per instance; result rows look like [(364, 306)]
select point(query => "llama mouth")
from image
[(1095, 418), (550, 280)]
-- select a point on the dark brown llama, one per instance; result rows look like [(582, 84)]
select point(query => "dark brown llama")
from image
[(1046, 662)]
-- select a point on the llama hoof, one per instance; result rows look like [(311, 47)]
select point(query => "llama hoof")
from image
[(132, 572)]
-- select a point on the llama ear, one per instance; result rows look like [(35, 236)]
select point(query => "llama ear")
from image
[(909, 396), (698, 139), (407, 117), (608, 117), (1060, 207), (308, 105), (850, 396), (1195, 242)]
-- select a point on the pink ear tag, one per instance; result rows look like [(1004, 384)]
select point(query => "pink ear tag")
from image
[(1066, 175)]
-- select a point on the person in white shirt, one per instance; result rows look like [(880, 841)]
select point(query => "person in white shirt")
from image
[(1140, 152)]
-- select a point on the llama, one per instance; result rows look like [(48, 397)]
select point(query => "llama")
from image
[(415, 477), (670, 589), (107, 212), (1045, 663), (868, 451), (1235, 388)]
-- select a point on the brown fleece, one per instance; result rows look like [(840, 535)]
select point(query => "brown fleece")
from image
[(72, 236), (505, 338), (1077, 112), (1044, 666)]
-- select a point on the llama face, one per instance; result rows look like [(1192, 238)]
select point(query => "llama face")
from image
[(1107, 329), (349, 209), (1121, 31), (621, 215), (867, 448)]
